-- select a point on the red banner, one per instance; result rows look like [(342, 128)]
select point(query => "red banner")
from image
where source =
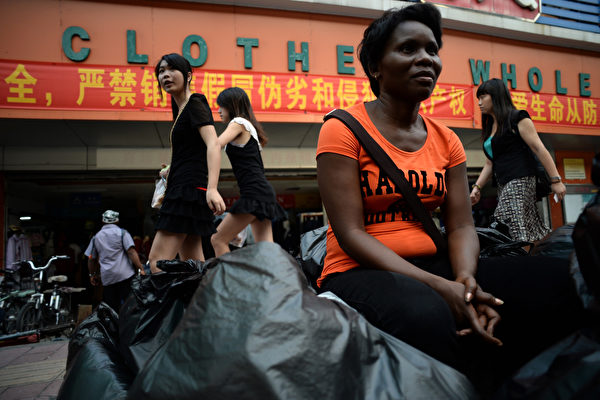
[(558, 110), (54, 86)]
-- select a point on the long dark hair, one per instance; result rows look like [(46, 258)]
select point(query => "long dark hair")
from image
[(371, 48), (179, 63), (237, 103), (501, 102)]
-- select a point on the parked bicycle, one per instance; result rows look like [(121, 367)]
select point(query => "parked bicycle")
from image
[(13, 295), (48, 309)]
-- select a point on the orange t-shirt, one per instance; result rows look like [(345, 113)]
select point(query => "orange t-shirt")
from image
[(387, 216)]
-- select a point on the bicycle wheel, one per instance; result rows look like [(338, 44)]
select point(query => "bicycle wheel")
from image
[(10, 322), (28, 318)]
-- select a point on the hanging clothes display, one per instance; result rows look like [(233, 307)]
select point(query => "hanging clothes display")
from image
[(18, 248)]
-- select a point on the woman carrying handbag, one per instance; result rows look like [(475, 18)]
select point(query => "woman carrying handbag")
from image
[(510, 142)]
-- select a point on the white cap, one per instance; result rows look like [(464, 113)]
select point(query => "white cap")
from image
[(110, 217)]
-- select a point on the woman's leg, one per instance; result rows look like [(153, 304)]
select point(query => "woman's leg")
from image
[(262, 230), (165, 246), (191, 249), (231, 225), (402, 307)]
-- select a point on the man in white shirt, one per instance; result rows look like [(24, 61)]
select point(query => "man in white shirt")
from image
[(113, 261)]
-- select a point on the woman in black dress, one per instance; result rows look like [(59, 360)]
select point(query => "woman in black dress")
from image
[(191, 199), (243, 140)]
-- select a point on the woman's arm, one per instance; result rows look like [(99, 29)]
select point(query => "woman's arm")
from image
[(230, 133), (463, 245), (532, 139), (213, 157), (484, 176), (339, 186), (338, 178)]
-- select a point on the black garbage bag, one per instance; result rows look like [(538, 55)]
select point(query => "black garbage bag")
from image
[(254, 330), (313, 248), (102, 325), (568, 370), (97, 372), (586, 239), (494, 243), (558, 244), (155, 307), (589, 301)]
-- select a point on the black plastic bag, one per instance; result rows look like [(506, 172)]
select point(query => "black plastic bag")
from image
[(313, 248), (97, 372), (588, 299), (95, 369), (586, 238), (558, 243), (254, 330), (155, 307), (568, 370), (493, 243), (102, 325)]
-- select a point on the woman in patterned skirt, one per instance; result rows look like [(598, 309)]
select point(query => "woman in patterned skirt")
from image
[(510, 142)]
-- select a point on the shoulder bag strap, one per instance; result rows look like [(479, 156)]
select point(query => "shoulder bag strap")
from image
[(394, 173)]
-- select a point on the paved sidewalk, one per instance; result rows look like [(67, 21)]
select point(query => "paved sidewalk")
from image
[(32, 371)]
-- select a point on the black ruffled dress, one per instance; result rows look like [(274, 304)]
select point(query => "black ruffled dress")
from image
[(184, 208), (257, 196)]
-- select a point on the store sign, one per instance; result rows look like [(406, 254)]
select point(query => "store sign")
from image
[(526, 9), (52, 86)]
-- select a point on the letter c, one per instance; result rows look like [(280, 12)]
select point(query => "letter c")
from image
[(67, 44)]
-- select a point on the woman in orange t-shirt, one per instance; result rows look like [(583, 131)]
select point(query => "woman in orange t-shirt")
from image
[(379, 258)]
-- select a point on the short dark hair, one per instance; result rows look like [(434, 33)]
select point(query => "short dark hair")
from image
[(501, 102), (376, 36), (237, 103)]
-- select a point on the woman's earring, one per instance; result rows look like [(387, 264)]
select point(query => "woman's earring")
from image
[(376, 76)]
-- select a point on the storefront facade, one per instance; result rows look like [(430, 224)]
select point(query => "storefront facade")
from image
[(84, 127)]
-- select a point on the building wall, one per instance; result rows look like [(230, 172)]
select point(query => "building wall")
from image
[(162, 27)]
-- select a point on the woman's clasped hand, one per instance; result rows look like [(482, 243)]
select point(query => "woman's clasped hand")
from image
[(475, 308)]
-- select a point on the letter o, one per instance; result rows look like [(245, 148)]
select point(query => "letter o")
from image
[(187, 50), (535, 71)]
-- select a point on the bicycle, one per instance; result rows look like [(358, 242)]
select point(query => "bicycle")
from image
[(49, 313), (13, 295)]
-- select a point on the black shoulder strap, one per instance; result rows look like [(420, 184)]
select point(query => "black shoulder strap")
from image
[(393, 172)]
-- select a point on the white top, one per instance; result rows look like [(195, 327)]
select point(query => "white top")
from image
[(249, 127)]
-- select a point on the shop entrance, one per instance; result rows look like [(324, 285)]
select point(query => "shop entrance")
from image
[(66, 206)]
